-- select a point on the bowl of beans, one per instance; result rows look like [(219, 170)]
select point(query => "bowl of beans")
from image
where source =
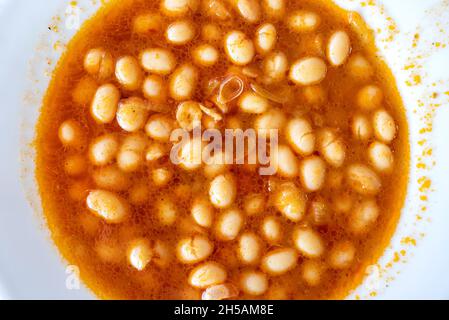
[(228, 149)]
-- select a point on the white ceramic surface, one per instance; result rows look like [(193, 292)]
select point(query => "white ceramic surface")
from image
[(30, 266)]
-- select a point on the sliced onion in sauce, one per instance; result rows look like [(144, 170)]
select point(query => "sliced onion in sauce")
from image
[(230, 89), (280, 98), (223, 107), (211, 113), (213, 85), (251, 72)]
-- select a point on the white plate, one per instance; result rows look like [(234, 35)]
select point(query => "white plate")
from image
[(30, 266)]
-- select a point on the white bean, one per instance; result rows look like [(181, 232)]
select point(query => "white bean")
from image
[(84, 91), (221, 291), (205, 55), (313, 173), (363, 217), (72, 135), (285, 162), (279, 261), (161, 176), (254, 283), (275, 66), (339, 48), (99, 63), (155, 151), (216, 164), (249, 10), (251, 102), (177, 8), (129, 160), (308, 242), (299, 134), (370, 97), (319, 212), (132, 114), (194, 249), (166, 211), (158, 61), (359, 67), (183, 82), (275, 9), (239, 49), (128, 73), (273, 119), (342, 255), (363, 180), (103, 150), (315, 95), (162, 254), (189, 115), (229, 225), (111, 178), (381, 157), (131, 155), (342, 203), (190, 155), (308, 71), (265, 39), (202, 212), (159, 127), (291, 202), (331, 148), (249, 248), (135, 141), (303, 21), (75, 165), (140, 254), (223, 191), (216, 9), (207, 274), (312, 272), (147, 22), (180, 32), (361, 128), (384, 126), (155, 89), (108, 206), (271, 229), (104, 104), (211, 32)]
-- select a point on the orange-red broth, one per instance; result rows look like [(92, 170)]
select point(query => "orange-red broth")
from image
[(101, 249)]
